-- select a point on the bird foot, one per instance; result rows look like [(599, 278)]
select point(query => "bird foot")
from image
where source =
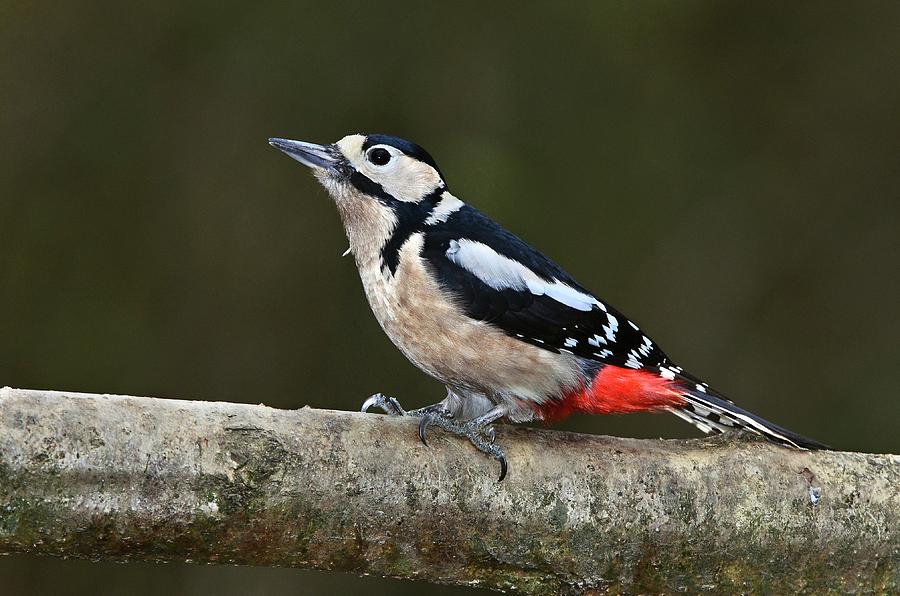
[(478, 431), (387, 404), (390, 406)]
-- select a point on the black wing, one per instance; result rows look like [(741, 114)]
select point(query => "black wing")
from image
[(600, 334)]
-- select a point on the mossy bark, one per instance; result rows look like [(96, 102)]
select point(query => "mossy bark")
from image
[(132, 478)]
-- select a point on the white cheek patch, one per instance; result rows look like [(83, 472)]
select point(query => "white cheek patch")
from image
[(502, 273), (403, 177)]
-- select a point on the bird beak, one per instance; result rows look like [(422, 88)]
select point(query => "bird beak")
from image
[(309, 154)]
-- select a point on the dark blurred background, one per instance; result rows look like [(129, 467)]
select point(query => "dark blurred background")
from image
[(727, 174)]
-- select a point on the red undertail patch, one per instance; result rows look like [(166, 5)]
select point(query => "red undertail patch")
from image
[(617, 390)]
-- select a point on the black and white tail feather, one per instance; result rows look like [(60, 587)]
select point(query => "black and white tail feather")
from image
[(712, 413)]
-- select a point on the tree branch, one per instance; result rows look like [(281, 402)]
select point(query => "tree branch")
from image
[(134, 478)]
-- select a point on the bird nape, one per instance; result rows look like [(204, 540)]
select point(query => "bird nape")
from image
[(507, 331)]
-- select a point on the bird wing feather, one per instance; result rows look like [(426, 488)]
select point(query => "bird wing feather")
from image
[(498, 278)]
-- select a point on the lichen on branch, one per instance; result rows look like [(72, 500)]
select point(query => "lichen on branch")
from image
[(134, 478)]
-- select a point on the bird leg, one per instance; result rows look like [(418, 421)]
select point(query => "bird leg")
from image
[(477, 430)]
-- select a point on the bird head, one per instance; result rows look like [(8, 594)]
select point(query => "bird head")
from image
[(383, 167), (379, 182)]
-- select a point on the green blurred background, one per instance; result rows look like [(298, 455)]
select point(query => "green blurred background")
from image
[(727, 174)]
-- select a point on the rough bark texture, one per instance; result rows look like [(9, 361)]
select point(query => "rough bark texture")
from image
[(127, 478)]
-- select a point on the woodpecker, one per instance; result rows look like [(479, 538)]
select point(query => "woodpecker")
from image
[(508, 332)]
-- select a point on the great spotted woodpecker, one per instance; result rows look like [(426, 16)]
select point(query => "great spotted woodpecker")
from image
[(506, 330)]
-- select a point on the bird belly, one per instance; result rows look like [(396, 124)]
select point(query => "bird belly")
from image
[(463, 353)]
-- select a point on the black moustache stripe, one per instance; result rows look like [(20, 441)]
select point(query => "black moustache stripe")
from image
[(411, 215)]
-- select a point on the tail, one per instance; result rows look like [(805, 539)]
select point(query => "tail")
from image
[(617, 390), (711, 412)]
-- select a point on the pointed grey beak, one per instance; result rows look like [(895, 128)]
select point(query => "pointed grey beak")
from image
[(309, 154)]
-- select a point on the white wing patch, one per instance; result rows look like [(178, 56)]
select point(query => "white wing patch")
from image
[(503, 273), (596, 340), (611, 328), (447, 206), (633, 360), (646, 346)]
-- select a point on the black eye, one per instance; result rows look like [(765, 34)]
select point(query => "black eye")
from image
[(379, 156)]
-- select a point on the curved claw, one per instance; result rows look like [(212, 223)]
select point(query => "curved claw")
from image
[(371, 401), (388, 405), (491, 434), (424, 422), (503, 467)]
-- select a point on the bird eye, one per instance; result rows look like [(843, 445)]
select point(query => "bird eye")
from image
[(379, 156)]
